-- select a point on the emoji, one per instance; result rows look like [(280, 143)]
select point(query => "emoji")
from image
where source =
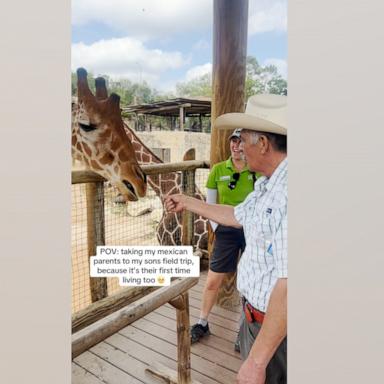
[(160, 279)]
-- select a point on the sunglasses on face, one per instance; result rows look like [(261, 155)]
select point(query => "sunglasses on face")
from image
[(232, 184)]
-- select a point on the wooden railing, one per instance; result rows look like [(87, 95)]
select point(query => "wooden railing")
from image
[(149, 169), (177, 295)]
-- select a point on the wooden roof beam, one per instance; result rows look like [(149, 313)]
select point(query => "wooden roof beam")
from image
[(159, 109)]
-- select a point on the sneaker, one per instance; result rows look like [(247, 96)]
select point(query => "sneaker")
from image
[(237, 343), (198, 331)]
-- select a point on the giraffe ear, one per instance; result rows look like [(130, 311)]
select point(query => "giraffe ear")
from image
[(101, 89)]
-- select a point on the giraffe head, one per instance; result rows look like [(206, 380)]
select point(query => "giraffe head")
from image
[(99, 139)]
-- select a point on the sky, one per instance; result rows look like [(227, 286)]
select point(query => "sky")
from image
[(164, 42)]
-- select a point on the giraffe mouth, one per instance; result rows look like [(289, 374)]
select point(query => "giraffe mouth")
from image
[(131, 189)]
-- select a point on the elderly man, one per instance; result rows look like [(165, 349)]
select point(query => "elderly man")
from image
[(262, 270)]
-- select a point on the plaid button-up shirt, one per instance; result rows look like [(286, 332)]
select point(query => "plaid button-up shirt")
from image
[(263, 215)]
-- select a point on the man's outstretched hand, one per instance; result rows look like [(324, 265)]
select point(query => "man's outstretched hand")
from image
[(175, 203)]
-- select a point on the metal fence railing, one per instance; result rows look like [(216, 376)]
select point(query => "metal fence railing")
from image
[(99, 219)]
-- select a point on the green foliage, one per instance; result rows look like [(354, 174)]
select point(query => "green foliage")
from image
[(259, 79), (200, 86), (278, 86), (129, 92)]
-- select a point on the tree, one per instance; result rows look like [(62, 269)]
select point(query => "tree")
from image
[(129, 92), (265, 79), (259, 79), (277, 86), (200, 86)]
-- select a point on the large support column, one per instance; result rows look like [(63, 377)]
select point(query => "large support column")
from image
[(230, 26)]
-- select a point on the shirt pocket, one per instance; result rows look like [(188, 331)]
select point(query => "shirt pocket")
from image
[(263, 230), (264, 225)]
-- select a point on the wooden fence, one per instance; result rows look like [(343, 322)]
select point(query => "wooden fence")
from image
[(108, 314)]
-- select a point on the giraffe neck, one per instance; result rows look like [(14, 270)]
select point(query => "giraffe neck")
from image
[(143, 154), (162, 184), (169, 229)]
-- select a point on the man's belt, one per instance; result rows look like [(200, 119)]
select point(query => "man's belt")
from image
[(252, 314)]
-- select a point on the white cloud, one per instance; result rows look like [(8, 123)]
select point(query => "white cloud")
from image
[(198, 71), (267, 16), (146, 18), (161, 21), (125, 57), (202, 45), (281, 65)]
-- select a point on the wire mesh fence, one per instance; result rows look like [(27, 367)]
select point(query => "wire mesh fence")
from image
[(133, 223)]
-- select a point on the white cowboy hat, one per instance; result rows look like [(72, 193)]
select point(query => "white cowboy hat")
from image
[(263, 113)]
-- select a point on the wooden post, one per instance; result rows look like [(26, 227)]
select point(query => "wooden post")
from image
[(188, 217), (183, 339), (230, 21), (188, 188), (95, 234), (181, 303), (181, 118)]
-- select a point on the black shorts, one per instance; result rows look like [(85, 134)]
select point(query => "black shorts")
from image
[(228, 244)]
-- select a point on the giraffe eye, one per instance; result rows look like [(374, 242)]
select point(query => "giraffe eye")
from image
[(87, 127)]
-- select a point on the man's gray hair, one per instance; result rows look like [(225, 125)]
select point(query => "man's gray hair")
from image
[(254, 136), (279, 142)]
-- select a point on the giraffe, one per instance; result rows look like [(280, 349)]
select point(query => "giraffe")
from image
[(99, 139), (169, 229)]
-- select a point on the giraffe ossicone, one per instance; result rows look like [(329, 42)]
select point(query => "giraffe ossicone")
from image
[(99, 140)]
